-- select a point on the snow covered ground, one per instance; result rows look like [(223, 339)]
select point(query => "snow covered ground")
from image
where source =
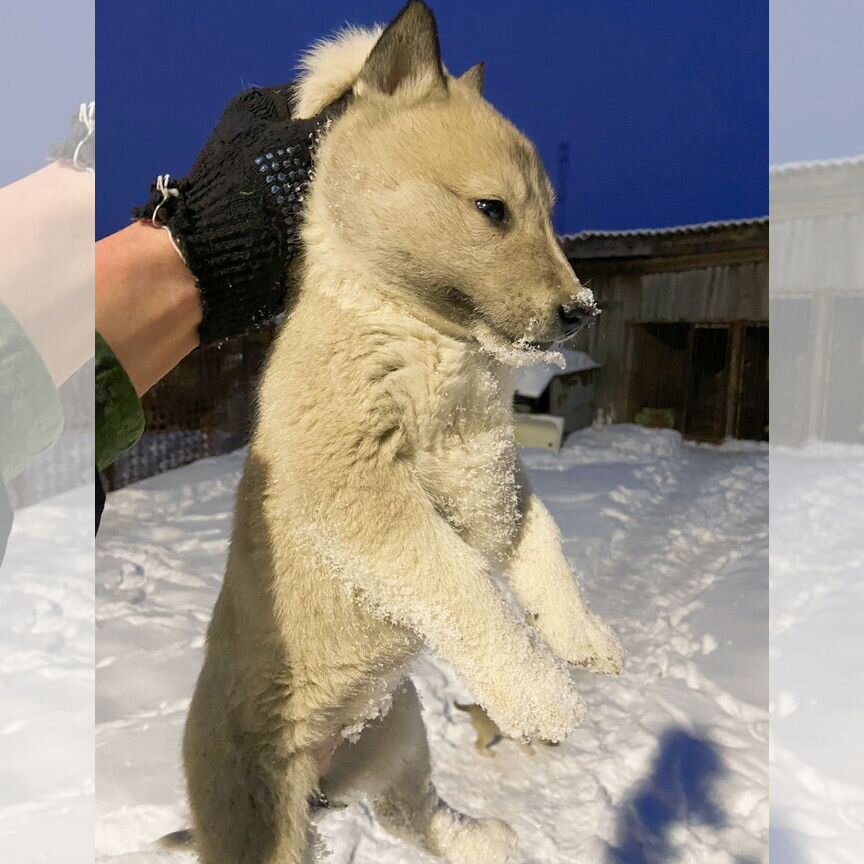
[(817, 653), (47, 683), (671, 762)]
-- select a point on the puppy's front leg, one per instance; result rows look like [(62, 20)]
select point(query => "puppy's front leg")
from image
[(395, 550), (547, 590)]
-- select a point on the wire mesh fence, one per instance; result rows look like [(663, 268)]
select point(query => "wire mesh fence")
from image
[(204, 407)]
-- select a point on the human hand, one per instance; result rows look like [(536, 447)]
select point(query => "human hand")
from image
[(235, 218)]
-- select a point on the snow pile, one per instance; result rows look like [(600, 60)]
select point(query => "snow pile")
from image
[(531, 382), (670, 763)]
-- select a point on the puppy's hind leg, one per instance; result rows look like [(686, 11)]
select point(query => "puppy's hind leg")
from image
[(390, 765), (257, 814), (248, 795)]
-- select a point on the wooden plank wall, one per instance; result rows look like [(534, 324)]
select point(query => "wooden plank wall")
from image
[(629, 295)]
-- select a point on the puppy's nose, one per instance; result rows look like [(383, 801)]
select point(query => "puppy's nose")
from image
[(575, 316)]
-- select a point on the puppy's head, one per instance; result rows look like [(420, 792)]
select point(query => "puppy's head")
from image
[(427, 184)]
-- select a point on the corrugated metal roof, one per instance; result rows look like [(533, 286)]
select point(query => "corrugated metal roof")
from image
[(660, 232), (816, 165)]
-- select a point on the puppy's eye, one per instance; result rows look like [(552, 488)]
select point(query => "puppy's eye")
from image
[(493, 209)]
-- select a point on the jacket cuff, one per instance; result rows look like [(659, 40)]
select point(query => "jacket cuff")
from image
[(119, 415), (31, 414)]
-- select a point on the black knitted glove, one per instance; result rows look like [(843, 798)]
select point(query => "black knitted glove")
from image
[(235, 217)]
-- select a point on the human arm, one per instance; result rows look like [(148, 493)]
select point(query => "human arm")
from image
[(46, 269), (46, 308), (148, 308)]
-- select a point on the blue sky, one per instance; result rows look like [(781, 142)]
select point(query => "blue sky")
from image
[(817, 79), (46, 65), (664, 104)]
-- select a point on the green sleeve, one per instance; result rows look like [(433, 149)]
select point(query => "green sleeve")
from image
[(119, 415), (31, 414)]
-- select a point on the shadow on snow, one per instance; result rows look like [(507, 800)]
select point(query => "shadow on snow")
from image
[(785, 848), (678, 791)]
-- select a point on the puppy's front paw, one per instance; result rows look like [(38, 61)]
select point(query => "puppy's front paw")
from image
[(590, 643), (554, 718), (463, 840), (537, 700)]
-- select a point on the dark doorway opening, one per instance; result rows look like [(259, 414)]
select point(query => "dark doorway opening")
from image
[(660, 364), (709, 381), (753, 394), (708, 385)]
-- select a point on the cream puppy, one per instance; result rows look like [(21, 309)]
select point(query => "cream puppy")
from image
[(383, 490)]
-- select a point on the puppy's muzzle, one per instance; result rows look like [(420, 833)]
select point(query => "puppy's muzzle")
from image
[(575, 317)]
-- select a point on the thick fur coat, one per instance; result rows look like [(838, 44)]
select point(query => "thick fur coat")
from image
[(383, 489)]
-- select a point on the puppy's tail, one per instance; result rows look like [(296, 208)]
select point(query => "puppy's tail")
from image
[(182, 839)]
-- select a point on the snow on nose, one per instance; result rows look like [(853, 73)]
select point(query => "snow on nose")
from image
[(578, 312), (583, 298)]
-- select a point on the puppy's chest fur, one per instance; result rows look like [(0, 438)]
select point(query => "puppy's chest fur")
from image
[(466, 452)]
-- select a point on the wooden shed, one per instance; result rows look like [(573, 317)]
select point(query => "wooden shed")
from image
[(817, 301), (683, 336)]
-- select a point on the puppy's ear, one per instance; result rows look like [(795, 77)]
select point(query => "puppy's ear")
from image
[(406, 60), (475, 77)]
